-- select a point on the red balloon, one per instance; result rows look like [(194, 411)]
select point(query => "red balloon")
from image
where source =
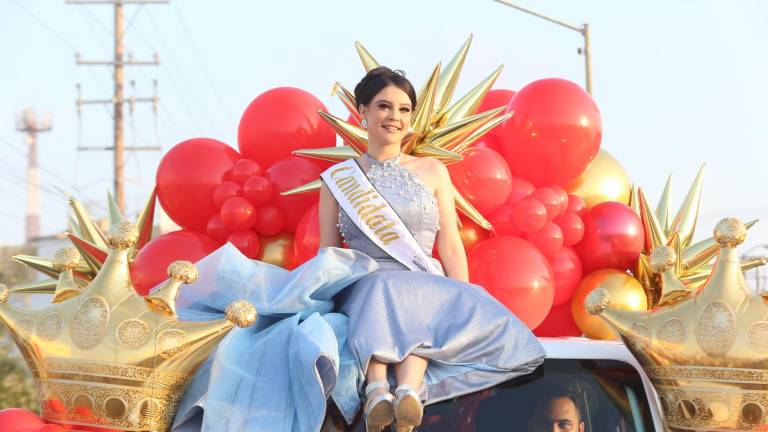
[(246, 242), (288, 174), (281, 120), (19, 420), (258, 190), (489, 142), (353, 119), (549, 239), (50, 427), (269, 220), (576, 205), (572, 227), (482, 177), (563, 194), (187, 176), (495, 98), (613, 238), (54, 404), (225, 191), (527, 291), (503, 222), (238, 214), (151, 265), (551, 200), (559, 322), (519, 189), (307, 238), (245, 169), (566, 267), (216, 229), (554, 134), (529, 215)]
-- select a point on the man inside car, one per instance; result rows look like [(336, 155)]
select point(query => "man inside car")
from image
[(557, 412)]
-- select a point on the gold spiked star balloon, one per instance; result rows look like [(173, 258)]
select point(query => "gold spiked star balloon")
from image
[(689, 263), (440, 129), (102, 355), (707, 351)]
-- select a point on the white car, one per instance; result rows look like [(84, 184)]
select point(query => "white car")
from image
[(606, 384)]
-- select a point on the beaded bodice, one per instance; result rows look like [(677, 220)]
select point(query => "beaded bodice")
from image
[(411, 200)]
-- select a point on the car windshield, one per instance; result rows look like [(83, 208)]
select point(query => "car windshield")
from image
[(561, 395)]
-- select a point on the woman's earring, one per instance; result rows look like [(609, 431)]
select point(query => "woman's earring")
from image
[(364, 123)]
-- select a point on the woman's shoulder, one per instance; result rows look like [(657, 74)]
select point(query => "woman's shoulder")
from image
[(430, 171), (426, 165)]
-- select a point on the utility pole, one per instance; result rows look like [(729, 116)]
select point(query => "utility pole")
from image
[(28, 123), (118, 99), (584, 30)]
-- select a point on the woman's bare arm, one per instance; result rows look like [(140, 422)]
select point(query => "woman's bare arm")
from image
[(329, 218), (449, 245)]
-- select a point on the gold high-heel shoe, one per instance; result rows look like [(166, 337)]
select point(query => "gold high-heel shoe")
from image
[(379, 412), (408, 408)]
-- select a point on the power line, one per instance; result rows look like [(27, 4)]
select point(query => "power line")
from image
[(163, 106), (118, 100), (89, 19), (14, 192), (132, 19), (43, 167), (45, 26), (180, 73), (201, 62), (11, 215)]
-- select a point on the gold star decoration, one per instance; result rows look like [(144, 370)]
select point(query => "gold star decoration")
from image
[(682, 266), (440, 129), (707, 352), (102, 355)]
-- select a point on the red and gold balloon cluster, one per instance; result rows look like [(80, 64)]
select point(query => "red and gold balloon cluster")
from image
[(541, 205), (218, 195), (546, 214)]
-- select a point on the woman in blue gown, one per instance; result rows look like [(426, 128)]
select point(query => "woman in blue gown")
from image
[(411, 319), (356, 322)]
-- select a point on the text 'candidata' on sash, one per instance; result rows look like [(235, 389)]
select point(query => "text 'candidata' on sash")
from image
[(374, 216)]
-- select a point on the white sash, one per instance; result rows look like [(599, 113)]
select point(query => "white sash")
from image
[(373, 215)]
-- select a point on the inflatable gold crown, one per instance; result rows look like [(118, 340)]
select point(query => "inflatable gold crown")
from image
[(692, 262), (102, 355), (705, 351)]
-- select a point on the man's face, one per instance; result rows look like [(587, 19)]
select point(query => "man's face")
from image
[(556, 415)]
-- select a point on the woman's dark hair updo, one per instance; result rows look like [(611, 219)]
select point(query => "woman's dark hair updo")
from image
[(377, 79)]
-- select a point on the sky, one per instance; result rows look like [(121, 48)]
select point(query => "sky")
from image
[(679, 83)]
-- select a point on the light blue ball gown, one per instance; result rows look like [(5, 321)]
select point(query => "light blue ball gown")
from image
[(321, 324)]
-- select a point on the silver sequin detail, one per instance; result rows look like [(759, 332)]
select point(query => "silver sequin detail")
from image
[(409, 197)]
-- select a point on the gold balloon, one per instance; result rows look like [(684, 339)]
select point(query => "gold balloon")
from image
[(707, 353), (472, 234), (278, 250), (603, 180), (102, 355), (626, 290), (440, 130)]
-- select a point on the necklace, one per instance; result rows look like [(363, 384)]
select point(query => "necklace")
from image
[(385, 162)]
